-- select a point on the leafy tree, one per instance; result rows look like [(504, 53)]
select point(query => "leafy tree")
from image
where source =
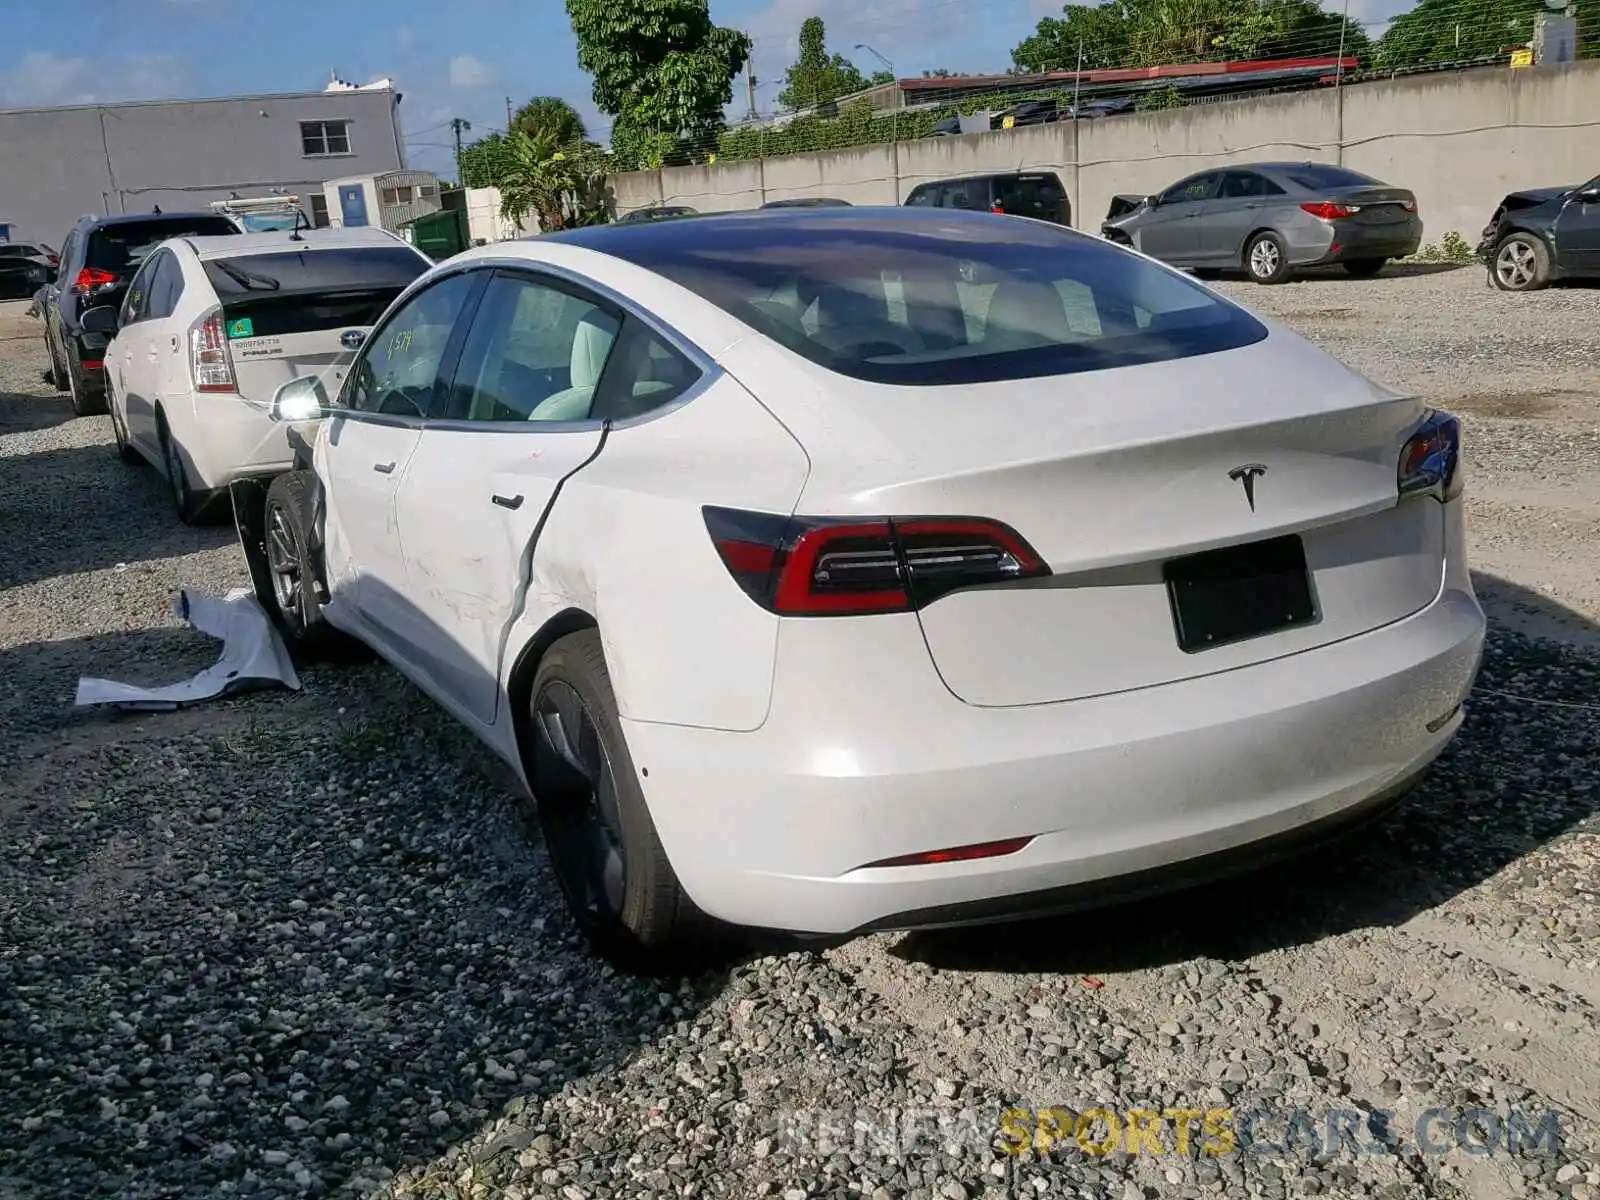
[(553, 115), (878, 78), (816, 77), (1144, 33), (661, 70), (483, 161), (559, 182), (1438, 31)]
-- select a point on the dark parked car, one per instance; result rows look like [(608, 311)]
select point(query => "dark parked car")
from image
[(1036, 194), (98, 261), (807, 202), (1543, 234), (1269, 218), (24, 267), (660, 212)]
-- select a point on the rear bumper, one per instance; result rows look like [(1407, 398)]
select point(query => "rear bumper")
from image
[(229, 438), (1374, 241), (863, 758)]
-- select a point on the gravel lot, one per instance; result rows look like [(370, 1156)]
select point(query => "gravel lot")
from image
[(295, 945)]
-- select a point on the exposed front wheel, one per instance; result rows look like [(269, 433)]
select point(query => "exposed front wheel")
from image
[(291, 566), (603, 845), (1521, 264), (1266, 258), (1364, 268)]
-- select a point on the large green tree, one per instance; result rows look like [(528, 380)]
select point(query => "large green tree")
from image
[(816, 76), (1441, 31), (1145, 33), (548, 120), (662, 71), (552, 116)]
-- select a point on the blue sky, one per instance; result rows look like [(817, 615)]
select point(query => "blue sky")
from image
[(451, 58)]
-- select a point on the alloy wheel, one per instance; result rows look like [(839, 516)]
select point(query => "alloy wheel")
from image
[(1514, 264), (1263, 259), (584, 794), (285, 564)]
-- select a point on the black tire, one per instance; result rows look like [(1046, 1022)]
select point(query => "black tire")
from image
[(85, 403), (125, 448), (1266, 258), (1520, 263), (608, 859), (191, 504), (297, 584), (1364, 268)]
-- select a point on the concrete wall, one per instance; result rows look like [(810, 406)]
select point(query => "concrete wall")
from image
[(1460, 140), (58, 164)]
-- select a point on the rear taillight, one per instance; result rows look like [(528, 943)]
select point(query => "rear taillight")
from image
[(997, 208), (813, 566), (210, 360), (1430, 461), (90, 278), (55, 259), (1331, 212), (1410, 206)]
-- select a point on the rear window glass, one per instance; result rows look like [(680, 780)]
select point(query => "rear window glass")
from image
[(13, 250), (944, 301), (122, 247), (302, 272), (1316, 176), (1029, 191)]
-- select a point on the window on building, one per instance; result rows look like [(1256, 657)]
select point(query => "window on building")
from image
[(321, 138), (319, 212), (427, 191)]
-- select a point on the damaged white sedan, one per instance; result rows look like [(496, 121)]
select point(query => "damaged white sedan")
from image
[(852, 569)]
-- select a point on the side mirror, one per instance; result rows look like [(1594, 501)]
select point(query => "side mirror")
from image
[(301, 399), (1589, 195), (100, 319), (1152, 201)]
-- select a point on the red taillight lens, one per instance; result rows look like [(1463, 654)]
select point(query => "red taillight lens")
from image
[(210, 360), (803, 566), (93, 364), (1410, 206), (956, 854), (90, 278), (1430, 461), (55, 259), (1331, 212), (997, 208)]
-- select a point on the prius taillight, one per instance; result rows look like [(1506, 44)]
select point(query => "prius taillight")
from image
[(210, 360)]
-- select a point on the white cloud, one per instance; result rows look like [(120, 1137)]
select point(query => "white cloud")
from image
[(467, 72), (42, 79)]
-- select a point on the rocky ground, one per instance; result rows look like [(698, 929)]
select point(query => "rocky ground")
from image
[(297, 945)]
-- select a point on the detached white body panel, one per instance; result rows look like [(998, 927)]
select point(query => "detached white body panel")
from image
[(791, 731)]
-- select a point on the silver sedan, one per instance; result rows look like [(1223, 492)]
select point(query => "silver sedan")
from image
[(1269, 218)]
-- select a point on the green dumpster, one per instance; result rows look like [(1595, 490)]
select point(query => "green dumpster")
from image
[(439, 234)]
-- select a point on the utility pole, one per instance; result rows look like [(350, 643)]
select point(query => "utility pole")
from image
[(508, 115), (457, 127), (750, 90)]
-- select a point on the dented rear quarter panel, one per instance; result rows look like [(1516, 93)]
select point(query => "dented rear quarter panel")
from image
[(683, 644)]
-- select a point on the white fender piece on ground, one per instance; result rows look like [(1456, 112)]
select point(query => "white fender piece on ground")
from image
[(253, 657)]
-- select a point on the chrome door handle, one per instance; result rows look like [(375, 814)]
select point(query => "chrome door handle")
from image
[(511, 502), (383, 468)]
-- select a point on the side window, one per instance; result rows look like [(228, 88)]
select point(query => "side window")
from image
[(166, 285), (967, 193), (644, 374), (398, 372), (1238, 185), (922, 196), (1197, 187), (534, 353), (136, 306)]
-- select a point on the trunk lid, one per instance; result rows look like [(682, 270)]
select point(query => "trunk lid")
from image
[(1377, 205), (1110, 476), (273, 340)]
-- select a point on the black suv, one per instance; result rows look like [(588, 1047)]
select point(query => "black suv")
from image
[(98, 261), (1036, 194)]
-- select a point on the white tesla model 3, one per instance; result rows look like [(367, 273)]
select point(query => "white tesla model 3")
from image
[(851, 569)]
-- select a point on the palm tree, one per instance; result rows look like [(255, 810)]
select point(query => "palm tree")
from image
[(553, 116), (556, 181)]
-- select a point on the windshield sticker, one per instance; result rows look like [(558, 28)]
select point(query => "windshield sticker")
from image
[(241, 327)]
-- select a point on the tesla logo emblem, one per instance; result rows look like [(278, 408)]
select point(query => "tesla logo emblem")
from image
[(1247, 475)]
